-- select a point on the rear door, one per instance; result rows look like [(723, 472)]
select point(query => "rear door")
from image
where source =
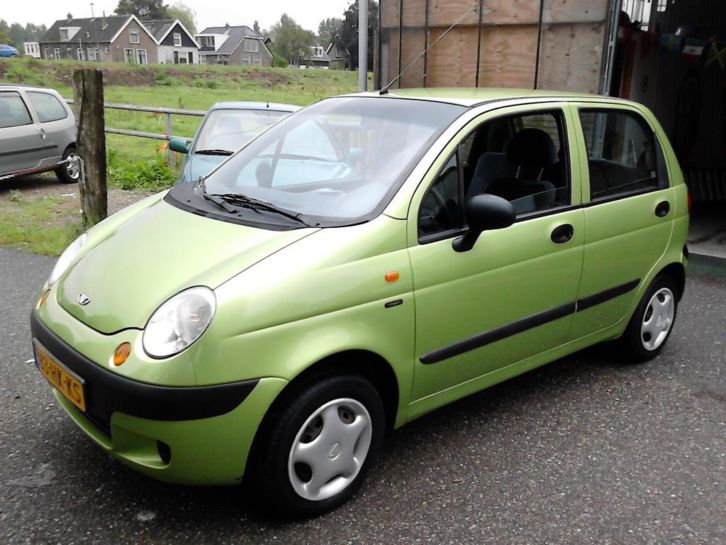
[(56, 126), (628, 206), (21, 145)]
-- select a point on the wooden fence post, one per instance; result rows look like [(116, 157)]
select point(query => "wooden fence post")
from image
[(91, 142)]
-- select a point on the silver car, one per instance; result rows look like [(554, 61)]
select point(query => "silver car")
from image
[(37, 134)]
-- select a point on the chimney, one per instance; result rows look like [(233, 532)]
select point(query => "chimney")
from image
[(69, 17)]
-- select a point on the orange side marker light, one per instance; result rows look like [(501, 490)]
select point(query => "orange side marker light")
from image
[(392, 276), (122, 354)]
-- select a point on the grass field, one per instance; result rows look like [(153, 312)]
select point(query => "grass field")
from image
[(193, 87)]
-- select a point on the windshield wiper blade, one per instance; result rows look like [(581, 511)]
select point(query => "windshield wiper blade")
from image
[(257, 204), (213, 198), (213, 152)]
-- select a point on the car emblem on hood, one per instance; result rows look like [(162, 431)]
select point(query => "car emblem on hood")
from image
[(83, 299)]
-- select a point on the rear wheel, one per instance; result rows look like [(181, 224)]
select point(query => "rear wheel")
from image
[(318, 448), (652, 322), (70, 171)]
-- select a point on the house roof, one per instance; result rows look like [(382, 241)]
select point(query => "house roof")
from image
[(99, 29), (161, 28), (236, 35)]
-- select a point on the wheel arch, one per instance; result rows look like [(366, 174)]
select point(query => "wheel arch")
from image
[(678, 272)]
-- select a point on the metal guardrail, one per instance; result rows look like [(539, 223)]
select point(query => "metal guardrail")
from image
[(167, 112)]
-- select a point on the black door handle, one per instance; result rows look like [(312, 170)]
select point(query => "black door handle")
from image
[(662, 209), (563, 233)]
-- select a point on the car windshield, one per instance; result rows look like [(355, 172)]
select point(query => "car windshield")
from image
[(229, 130), (339, 161)]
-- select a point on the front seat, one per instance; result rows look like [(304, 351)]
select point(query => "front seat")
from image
[(533, 152)]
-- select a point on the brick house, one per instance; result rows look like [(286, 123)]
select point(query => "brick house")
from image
[(234, 45), (118, 38)]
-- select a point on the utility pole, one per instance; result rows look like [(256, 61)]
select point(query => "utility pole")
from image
[(362, 45)]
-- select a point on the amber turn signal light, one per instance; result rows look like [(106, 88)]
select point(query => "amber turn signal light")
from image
[(392, 276), (43, 298), (122, 354)]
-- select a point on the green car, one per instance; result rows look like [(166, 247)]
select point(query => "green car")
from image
[(366, 260)]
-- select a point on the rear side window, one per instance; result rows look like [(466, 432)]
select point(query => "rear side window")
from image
[(13, 112), (622, 154), (48, 107)]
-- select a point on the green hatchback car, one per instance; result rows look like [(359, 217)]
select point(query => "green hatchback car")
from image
[(368, 259)]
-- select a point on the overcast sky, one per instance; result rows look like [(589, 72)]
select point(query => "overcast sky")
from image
[(208, 12)]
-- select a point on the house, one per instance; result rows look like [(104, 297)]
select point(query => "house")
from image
[(333, 57), (176, 45), (235, 45), (32, 49), (118, 38)]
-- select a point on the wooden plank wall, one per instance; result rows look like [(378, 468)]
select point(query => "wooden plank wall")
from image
[(570, 47)]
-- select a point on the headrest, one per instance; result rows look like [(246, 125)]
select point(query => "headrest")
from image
[(532, 147)]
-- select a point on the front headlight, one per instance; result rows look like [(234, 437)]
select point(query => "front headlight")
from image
[(66, 258), (179, 322)]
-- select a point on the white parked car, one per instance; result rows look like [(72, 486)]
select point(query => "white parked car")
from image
[(37, 133)]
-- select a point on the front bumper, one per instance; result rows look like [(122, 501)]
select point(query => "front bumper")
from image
[(190, 435)]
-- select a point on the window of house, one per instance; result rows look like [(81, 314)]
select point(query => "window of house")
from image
[(47, 106), (141, 56), (622, 153), (177, 39), (206, 41), (128, 55), (46, 52), (13, 112), (56, 52), (64, 34), (191, 57), (92, 54), (80, 54), (133, 36), (252, 46), (246, 59)]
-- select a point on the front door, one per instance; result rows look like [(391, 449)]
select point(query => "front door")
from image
[(512, 296), (21, 143)]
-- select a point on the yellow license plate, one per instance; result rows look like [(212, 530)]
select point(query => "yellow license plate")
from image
[(66, 382)]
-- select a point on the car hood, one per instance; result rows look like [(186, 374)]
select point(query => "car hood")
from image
[(200, 165), (154, 255)]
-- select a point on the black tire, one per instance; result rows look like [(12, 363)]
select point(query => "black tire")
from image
[(271, 474), (635, 342), (69, 173)]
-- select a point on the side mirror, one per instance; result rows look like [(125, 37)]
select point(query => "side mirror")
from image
[(179, 144), (484, 213)]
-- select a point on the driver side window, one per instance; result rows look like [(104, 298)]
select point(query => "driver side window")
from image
[(441, 210)]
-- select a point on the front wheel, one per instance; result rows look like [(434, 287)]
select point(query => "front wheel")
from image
[(318, 447), (70, 171), (652, 322)]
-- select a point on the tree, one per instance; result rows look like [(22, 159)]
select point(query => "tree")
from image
[(256, 27), (328, 29), (349, 32), (16, 33), (185, 14), (143, 9), (292, 42)]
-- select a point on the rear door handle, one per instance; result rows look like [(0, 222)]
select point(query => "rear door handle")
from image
[(563, 234), (662, 209)]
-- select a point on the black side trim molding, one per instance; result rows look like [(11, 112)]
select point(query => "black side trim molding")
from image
[(24, 151), (525, 324), (601, 297), (107, 392), (498, 334)]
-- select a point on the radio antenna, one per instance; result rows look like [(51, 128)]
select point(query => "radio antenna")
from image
[(383, 91)]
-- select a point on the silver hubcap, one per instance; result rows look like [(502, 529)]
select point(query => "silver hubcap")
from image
[(329, 450), (73, 166), (658, 319)]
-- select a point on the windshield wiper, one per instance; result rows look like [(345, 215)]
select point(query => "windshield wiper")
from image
[(227, 201), (214, 199), (213, 152), (257, 205)]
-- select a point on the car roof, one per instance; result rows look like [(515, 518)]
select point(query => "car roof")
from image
[(16, 86), (242, 105), (472, 97)]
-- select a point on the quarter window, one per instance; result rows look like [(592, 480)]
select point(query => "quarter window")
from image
[(621, 153), (47, 107), (13, 112), (441, 210)]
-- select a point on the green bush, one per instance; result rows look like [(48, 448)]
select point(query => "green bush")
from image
[(150, 174)]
